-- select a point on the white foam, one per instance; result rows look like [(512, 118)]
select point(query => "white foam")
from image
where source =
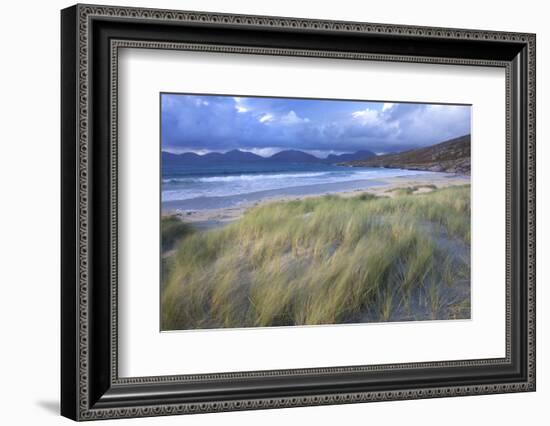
[(219, 186)]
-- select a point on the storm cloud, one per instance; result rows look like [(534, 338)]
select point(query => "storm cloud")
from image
[(205, 123)]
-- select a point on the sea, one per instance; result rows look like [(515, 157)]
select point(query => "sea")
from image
[(220, 186)]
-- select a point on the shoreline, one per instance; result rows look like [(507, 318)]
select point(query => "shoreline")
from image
[(217, 217)]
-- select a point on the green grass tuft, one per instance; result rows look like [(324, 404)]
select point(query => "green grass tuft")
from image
[(173, 230)]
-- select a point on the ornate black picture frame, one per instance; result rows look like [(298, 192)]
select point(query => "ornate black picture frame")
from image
[(90, 38)]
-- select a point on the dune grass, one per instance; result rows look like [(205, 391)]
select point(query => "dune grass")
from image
[(411, 189), (172, 230), (324, 260)]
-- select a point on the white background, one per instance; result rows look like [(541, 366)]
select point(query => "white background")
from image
[(29, 223), (146, 352)]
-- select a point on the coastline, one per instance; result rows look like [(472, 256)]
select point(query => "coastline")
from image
[(211, 218)]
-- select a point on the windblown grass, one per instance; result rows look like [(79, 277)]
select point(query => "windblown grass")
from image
[(325, 260), (172, 230), (411, 189)]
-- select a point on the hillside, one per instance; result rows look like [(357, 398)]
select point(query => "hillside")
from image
[(452, 156), (190, 158), (293, 156), (238, 157), (359, 155)]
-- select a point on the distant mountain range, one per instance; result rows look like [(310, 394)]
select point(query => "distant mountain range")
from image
[(237, 156), (452, 156)]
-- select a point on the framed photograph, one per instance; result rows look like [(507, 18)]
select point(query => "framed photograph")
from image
[(264, 212)]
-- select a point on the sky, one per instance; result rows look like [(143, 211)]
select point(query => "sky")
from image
[(212, 123)]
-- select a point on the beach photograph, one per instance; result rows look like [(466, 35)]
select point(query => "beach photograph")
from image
[(282, 211)]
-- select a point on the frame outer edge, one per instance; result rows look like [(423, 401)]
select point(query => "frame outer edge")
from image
[(531, 201), (69, 191), (83, 86)]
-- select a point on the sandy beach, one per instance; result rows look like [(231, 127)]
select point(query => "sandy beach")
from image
[(217, 217)]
